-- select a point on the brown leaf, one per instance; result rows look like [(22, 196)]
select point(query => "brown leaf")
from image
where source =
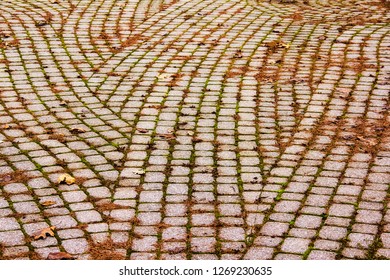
[(168, 136), (66, 178), (44, 233), (77, 130), (322, 38), (238, 54), (60, 256), (368, 141), (5, 178), (48, 203), (158, 107), (371, 142), (142, 130)]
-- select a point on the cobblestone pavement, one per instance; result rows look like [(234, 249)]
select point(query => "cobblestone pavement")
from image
[(202, 129)]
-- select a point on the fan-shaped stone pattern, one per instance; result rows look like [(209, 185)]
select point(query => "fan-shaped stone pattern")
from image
[(147, 8), (195, 129), (347, 12)]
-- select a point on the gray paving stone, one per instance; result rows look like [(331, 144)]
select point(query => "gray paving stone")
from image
[(146, 244), (321, 255), (203, 244), (295, 245), (333, 233), (274, 229), (12, 238), (75, 246), (122, 214), (61, 222), (308, 221), (343, 210), (8, 224), (88, 216), (232, 234), (256, 253), (174, 233)]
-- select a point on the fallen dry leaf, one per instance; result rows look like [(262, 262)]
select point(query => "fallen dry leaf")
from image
[(142, 130), (140, 172), (157, 106), (168, 136), (60, 256), (48, 203), (238, 54), (44, 233), (6, 126), (368, 141), (5, 178), (164, 77), (284, 45), (77, 130), (66, 178), (41, 23), (322, 38)]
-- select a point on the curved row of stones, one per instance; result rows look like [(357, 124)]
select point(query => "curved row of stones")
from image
[(195, 129)]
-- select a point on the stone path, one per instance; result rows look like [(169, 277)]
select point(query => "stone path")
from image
[(202, 129)]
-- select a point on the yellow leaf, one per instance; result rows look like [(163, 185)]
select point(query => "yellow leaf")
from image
[(44, 233), (139, 172), (284, 45), (48, 203), (66, 178), (164, 77)]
